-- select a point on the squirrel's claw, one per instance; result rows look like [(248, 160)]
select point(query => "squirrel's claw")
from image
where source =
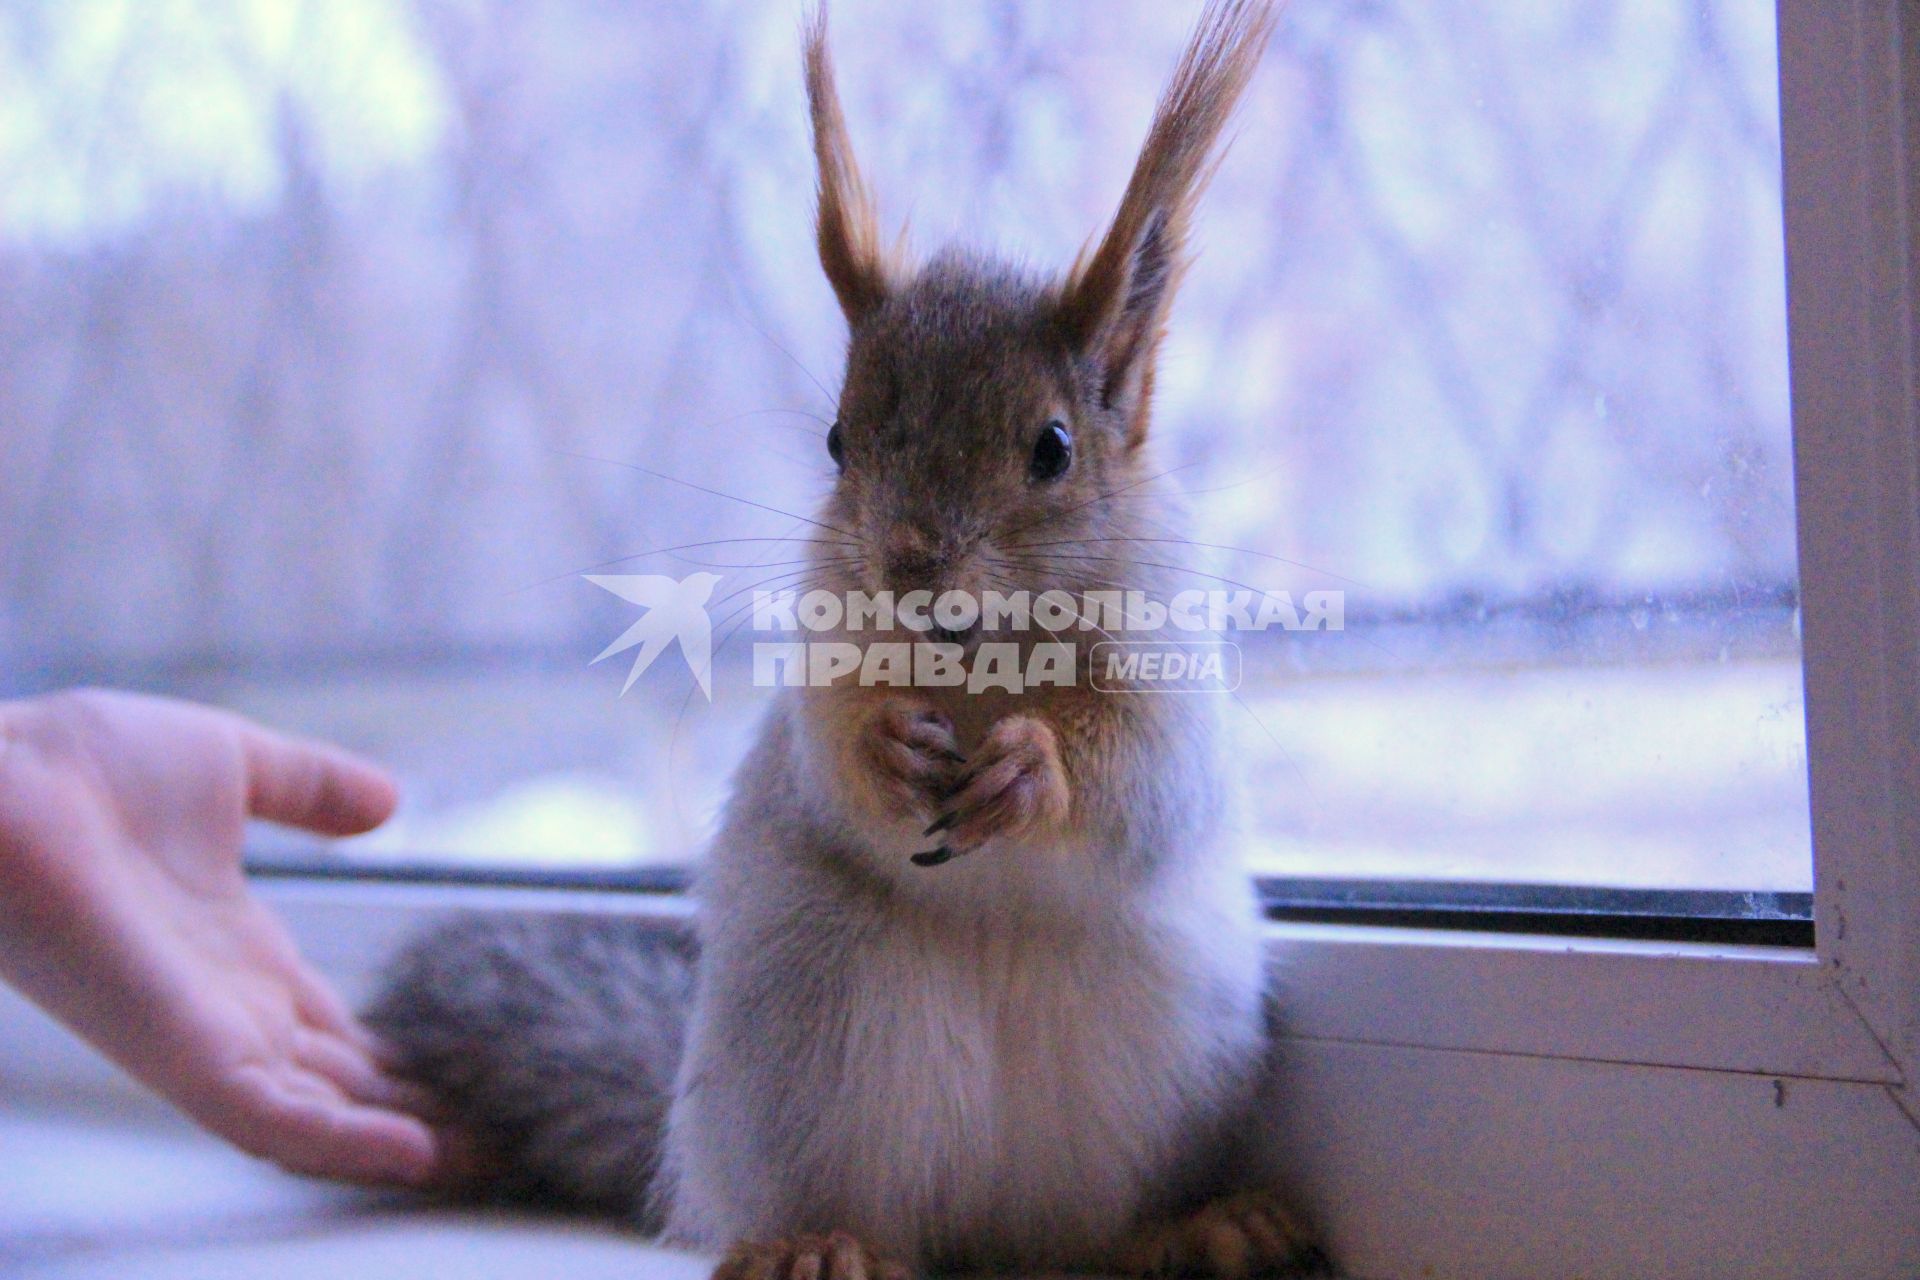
[(1015, 784), (911, 754)]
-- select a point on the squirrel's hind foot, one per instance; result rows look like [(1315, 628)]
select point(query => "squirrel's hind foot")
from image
[(808, 1257), (1249, 1236)]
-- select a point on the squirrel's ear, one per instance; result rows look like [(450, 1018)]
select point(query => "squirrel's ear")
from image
[(844, 222), (1114, 304)]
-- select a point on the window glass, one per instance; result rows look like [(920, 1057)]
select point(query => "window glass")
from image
[(340, 340)]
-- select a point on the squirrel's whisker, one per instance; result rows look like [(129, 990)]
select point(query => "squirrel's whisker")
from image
[(808, 414), (1361, 636), (737, 617), (765, 564), (1189, 542), (760, 583), (1081, 617), (1171, 568), (777, 345), (701, 488), (684, 546), (1100, 497)]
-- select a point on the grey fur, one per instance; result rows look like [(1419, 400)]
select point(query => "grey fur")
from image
[(551, 1043)]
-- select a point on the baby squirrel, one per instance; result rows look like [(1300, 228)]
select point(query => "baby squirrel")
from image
[(1043, 1053)]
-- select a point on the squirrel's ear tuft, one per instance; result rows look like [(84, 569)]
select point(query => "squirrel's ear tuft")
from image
[(1114, 304), (844, 222)]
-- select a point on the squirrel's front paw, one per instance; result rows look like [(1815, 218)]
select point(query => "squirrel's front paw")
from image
[(1014, 786), (909, 750)]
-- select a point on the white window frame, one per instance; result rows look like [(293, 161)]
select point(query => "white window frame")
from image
[(1488, 1106)]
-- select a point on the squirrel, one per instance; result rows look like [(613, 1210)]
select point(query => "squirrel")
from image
[(1038, 1045)]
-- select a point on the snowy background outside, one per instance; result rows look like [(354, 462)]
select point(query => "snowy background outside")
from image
[(308, 311)]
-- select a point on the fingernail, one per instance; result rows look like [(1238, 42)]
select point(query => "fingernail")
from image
[(933, 857), (938, 825)]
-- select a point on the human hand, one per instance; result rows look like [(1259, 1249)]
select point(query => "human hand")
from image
[(124, 912)]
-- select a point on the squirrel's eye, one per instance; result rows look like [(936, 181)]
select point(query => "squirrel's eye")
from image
[(835, 449), (1052, 452)]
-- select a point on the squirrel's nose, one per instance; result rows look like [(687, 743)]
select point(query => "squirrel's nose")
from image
[(914, 560), (914, 568)]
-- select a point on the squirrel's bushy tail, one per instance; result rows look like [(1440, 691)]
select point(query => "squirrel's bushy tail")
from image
[(550, 1044)]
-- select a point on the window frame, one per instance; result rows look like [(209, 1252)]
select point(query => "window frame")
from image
[(1480, 1104)]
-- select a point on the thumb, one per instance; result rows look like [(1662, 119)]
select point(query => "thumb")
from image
[(310, 784)]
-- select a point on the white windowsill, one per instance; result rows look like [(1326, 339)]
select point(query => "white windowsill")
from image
[(100, 1181)]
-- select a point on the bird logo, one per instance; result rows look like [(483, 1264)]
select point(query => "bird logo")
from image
[(676, 609)]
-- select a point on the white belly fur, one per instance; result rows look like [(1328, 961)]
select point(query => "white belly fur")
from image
[(992, 1096)]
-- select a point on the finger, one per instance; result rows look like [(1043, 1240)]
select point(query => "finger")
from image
[(350, 1067), (313, 785), (303, 1124), (321, 1006), (356, 1074)]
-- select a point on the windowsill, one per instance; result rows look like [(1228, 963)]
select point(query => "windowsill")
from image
[(102, 1181)]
